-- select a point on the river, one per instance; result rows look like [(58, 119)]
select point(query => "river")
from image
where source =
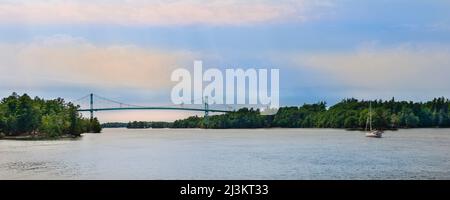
[(231, 154)]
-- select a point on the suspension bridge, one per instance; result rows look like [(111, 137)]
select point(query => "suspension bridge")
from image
[(106, 104)]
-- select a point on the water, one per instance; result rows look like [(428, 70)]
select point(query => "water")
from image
[(231, 154)]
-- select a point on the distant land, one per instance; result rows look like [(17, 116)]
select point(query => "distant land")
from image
[(347, 114), (138, 124)]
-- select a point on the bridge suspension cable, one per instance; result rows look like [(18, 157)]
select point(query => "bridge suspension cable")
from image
[(82, 98), (121, 104), (117, 105)]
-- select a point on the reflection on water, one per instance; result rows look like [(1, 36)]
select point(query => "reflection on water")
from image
[(231, 154)]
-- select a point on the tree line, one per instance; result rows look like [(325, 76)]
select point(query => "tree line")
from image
[(22, 115), (114, 125), (349, 113), (142, 124), (137, 124)]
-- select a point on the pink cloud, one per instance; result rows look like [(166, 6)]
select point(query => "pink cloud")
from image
[(138, 12), (73, 61)]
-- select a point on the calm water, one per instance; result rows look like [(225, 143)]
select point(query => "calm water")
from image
[(231, 154)]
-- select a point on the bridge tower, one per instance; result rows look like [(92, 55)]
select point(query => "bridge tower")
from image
[(206, 111), (92, 106)]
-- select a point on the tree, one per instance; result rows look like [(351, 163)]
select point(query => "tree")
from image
[(351, 122), (28, 116), (95, 126), (74, 119), (408, 119), (51, 126), (51, 118), (395, 121)]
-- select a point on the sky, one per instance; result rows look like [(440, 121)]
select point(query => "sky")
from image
[(126, 50)]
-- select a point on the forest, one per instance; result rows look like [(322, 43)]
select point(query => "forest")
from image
[(21, 115), (142, 124), (137, 125), (348, 114)]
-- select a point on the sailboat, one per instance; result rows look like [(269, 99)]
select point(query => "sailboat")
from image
[(371, 132)]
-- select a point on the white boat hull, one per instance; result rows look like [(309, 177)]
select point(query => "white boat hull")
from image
[(375, 134)]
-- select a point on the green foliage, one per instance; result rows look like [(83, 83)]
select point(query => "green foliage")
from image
[(141, 124), (95, 126), (349, 113), (22, 115), (51, 125), (114, 125), (243, 118), (190, 122)]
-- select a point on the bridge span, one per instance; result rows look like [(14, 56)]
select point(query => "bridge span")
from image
[(123, 106)]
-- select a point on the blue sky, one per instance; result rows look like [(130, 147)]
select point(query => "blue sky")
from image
[(326, 50)]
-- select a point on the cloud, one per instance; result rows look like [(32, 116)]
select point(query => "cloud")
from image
[(175, 12), (408, 69), (65, 60)]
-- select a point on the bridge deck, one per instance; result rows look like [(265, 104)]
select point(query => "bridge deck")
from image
[(153, 108)]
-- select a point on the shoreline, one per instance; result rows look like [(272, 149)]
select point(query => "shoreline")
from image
[(38, 138), (275, 128)]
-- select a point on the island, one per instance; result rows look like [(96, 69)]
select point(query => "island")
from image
[(25, 118)]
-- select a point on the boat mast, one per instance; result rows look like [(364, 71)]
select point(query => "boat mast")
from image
[(370, 115)]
